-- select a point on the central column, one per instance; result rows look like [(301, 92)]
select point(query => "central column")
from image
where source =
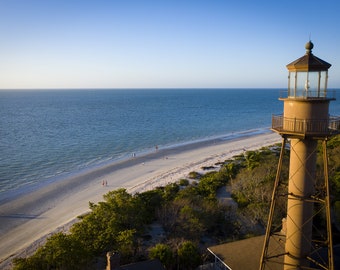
[(301, 187)]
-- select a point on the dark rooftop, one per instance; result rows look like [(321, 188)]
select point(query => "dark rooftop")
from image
[(246, 254), (146, 265), (242, 255)]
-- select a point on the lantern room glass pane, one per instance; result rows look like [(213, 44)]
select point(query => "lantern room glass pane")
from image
[(291, 84), (313, 83), (317, 84), (323, 83), (302, 84)]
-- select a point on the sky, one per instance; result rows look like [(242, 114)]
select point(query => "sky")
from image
[(162, 43)]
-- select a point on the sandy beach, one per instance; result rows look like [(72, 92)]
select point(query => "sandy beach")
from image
[(27, 219)]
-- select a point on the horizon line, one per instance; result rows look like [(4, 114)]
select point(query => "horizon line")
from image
[(146, 88), (135, 88)]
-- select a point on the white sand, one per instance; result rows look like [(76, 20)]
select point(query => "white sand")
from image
[(29, 218)]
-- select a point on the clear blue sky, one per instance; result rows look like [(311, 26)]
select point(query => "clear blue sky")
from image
[(162, 43)]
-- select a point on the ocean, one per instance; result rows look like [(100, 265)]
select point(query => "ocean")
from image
[(48, 135)]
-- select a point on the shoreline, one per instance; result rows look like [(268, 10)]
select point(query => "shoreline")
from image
[(32, 216), (11, 195)]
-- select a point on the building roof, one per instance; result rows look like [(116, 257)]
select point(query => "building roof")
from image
[(244, 254), (145, 265)]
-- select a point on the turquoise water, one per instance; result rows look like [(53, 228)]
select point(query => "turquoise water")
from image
[(47, 135)]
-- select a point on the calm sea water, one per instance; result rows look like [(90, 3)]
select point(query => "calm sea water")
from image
[(47, 135)]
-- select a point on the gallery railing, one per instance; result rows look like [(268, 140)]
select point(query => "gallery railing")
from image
[(308, 94), (305, 127)]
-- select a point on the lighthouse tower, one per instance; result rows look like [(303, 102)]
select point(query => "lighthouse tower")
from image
[(305, 121)]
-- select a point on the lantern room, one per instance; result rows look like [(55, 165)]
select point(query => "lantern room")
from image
[(308, 76)]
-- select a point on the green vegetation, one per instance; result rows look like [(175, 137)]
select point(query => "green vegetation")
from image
[(334, 176), (184, 182), (252, 186), (191, 215), (163, 253)]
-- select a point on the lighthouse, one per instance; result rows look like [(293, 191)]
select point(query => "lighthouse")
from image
[(304, 125)]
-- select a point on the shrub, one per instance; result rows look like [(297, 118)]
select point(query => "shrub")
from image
[(163, 253), (184, 182), (194, 175)]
